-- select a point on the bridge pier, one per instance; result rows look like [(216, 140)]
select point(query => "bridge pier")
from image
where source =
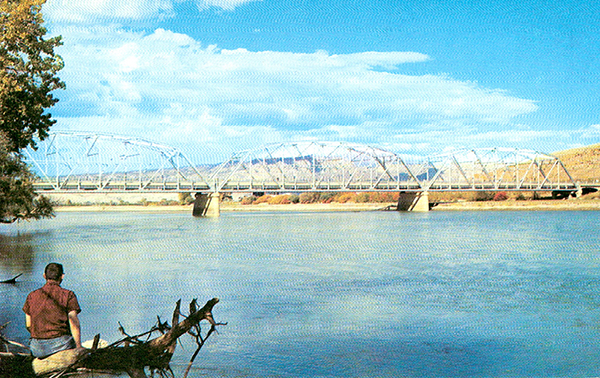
[(207, 205), (413, 201)]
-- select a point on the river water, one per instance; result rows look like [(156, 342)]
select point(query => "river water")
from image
[(333, 294)]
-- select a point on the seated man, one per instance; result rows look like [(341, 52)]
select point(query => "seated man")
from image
[(51, 315)]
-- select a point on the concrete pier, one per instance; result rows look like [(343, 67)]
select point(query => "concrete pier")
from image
[(207, 205), (413, 201)]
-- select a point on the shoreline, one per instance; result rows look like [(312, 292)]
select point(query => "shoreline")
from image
[(558, 205), (230, 207)]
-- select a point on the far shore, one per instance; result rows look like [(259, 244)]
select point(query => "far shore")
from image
[(562, 205)]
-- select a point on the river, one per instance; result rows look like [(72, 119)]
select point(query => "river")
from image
[(333, 294)]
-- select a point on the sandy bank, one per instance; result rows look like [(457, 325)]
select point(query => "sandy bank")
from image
[(562, 205), (124, 208), (571, 204), (231, 207)]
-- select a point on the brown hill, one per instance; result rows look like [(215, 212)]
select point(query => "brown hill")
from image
[(582, 163)]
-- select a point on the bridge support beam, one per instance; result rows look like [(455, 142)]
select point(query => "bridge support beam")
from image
[(579, 191), (413, 201), (207, 205)]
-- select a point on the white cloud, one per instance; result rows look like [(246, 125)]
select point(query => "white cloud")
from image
[(169, 86), (457, 135), (591, 132), (99, 11), (223, 4), (106, 11), (388, 60), (203, 138)]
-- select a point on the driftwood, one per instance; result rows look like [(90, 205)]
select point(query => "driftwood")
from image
[(12, 280), (130, 355)]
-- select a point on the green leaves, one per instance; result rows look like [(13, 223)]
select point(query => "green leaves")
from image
[(18, 199), (28, 68)]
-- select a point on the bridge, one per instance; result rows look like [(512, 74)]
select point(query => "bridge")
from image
[(86, 162)]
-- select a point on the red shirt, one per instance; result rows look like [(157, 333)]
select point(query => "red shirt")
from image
[(49, 307)]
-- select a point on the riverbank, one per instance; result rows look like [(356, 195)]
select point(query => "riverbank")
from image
[(562, 205), (232, 207), (570, 204)]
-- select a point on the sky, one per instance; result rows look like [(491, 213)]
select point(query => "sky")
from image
[(212, 77)]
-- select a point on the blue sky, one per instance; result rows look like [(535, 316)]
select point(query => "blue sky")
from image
[(215, 76)]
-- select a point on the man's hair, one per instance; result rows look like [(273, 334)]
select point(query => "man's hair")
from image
[(54, 271)]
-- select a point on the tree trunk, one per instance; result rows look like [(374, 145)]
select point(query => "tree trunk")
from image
[(133, 357)]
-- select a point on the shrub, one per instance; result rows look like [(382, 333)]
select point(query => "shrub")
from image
[(262, 199), (309, 197), (346, 197), (363, 197), (185, 198), (281, 199), (166, 202), (483, 196), (383, 197), (248, 200), (500, 196), (326, 197), (294, 198)]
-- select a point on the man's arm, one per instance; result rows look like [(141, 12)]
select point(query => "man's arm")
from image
[(28, 322), (75, 328)]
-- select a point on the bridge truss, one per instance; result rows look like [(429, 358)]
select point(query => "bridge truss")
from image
[(87, 162), (93, 162), (336, 166)]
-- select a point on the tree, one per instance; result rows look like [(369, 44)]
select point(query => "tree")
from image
[(28, 67), (18, 199), (28, 75)]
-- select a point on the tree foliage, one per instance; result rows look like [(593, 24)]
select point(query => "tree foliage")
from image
[(28, 68), (18, 199), (28, 74)]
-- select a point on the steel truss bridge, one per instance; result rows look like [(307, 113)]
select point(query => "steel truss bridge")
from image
[(82, 162)]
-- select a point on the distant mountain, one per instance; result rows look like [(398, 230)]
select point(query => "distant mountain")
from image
[(582, 163)]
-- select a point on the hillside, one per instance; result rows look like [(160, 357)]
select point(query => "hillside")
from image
[(582, 163)]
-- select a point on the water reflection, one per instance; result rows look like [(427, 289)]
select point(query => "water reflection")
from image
[(17, 257), (17, 253)]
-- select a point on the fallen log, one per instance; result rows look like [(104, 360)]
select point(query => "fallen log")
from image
[(131, 355), (16, 365)]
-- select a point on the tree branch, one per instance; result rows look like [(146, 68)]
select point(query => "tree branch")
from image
[(205, 313)]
